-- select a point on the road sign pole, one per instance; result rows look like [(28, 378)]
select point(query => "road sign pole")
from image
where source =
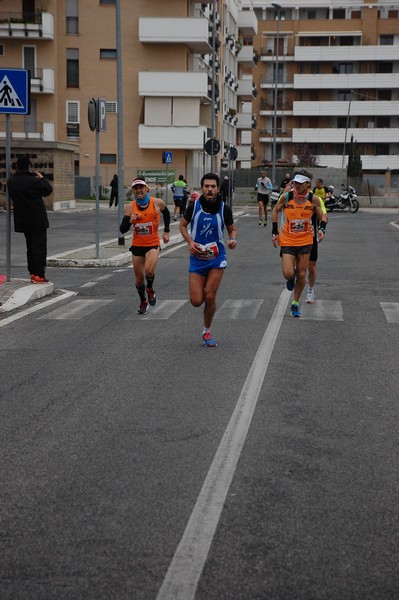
[(167, 177), (97, 183), (8, 201)]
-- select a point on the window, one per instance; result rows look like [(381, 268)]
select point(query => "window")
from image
[(72, 67), (107, 53), (386, 40), (344, 95), (339, 13), (385, 67), (345, 68), (393, 14), (315, 68), (108, 159), (341, 122), (382, 149), (384, 95), (72, 16), (1, 49), (356, 14), (108, 2), (311, 14), (72, 118), (383, 122)]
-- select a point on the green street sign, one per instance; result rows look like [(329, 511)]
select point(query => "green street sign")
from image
[(156, 176)]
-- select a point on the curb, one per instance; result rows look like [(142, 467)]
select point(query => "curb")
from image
[(27, 293)]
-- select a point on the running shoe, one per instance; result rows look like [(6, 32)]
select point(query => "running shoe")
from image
[(209, 340), (295, 312), (310, 296), (143, 308), (260, 222), (152, 299), (265, 223), (290, 283), (37, 279)]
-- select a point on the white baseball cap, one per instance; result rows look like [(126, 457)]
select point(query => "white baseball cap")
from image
[(139, 182), (301, 178)]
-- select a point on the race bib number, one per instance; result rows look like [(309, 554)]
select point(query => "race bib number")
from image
[(208, 251), (143, 229), (299, 226)]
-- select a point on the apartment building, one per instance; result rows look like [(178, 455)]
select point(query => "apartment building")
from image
[(334, 68), (186, 77)]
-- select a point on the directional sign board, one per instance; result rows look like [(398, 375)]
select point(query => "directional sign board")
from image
[(14, 91), (212, 146)]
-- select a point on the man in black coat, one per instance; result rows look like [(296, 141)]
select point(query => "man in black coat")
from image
[(26, 189)]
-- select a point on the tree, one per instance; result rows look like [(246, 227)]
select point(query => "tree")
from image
[(301, 155), (355, 166)]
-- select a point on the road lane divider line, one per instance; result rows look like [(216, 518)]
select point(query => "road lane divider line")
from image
[(65, 294), (185, 570)]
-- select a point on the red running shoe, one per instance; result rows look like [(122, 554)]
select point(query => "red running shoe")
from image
[(37, 279), (209, 341), (152, 299), (143, 308)]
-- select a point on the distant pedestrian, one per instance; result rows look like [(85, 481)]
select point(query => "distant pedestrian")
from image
[(226, 189), (27, 189), (263, 187), (114, 190), (179, 189)]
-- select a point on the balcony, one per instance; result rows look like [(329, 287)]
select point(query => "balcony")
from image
[(285, 81), (283, 108), (247, 56), (244, 152), (29, 131), (282, 136), (345, 53), (369, 135), (369, 162), (190, 31), (39, 25), (246, 89), (341, 108), (244, 121), (347, 81), (42, 81), (172, 138), (173, 84), (247, 22)]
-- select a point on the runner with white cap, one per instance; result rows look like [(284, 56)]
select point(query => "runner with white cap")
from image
[(144, 214), (295, 236)]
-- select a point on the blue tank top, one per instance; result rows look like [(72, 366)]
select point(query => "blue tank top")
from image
[(207, 229)]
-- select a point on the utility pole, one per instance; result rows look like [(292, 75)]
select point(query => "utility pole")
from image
[(119, 95), (277, 6)]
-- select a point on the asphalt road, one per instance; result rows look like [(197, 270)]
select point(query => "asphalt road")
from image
[(137, 464)]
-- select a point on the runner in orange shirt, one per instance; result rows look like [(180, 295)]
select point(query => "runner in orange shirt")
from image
[(295, 236), (144, 214)]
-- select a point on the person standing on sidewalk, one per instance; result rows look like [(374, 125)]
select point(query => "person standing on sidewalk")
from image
[(208, 216), (144, 214), (27, 189), (295, 236), (114, 190), (263, 187)]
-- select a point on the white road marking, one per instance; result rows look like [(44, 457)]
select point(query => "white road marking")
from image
[(76, 309), (238, 309), (89, 284), (322, 310), (181, 580), (65, 294), (161, 311), (391, 311)]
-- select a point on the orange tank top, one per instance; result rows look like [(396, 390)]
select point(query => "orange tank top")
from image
[(146, 227), (296, 227)]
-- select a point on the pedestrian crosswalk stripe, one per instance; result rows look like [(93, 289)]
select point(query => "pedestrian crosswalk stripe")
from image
[(76, 310), (322, 310), (8, 96), (163, 310), (391, 311), (238, 309)]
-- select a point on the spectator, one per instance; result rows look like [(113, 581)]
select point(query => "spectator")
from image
[(114, 190)]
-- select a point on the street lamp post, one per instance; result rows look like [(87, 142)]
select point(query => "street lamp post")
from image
[(277, 6), (213, 84)]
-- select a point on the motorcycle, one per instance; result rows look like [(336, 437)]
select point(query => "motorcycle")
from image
[(347, 200)]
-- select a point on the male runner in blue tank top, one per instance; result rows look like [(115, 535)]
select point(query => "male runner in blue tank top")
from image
[(208, 217)]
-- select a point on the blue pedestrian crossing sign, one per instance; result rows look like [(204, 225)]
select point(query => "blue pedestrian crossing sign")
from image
[(14, 91), (167, 158)]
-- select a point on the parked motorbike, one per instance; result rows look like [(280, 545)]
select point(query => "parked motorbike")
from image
[(347, 200)]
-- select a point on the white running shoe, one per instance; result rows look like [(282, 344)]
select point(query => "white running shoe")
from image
[(310, 296)]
